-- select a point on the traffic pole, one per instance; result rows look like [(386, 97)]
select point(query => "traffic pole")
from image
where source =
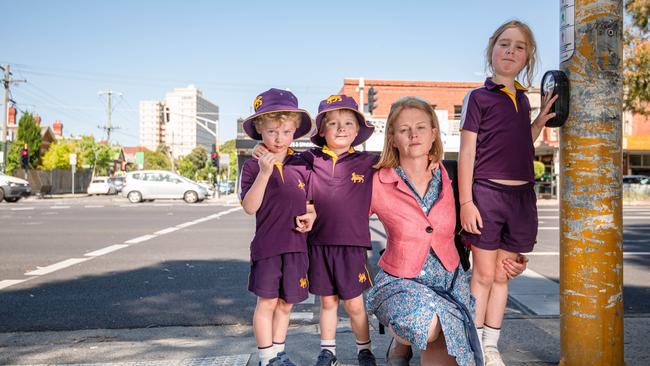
[(591, 227)]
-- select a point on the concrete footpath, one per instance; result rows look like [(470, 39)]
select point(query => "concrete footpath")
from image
[(525, 341)]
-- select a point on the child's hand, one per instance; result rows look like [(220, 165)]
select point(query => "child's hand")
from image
[(544, 115), (515, 267), (470, 218), (266, 162), (305, 222), (259, 150)]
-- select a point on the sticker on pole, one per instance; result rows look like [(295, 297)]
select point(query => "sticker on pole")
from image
[(567, 29)]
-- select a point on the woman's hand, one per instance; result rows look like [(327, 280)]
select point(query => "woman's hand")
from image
[(470, 218), (259, 150), (266, 162), (515, 267)]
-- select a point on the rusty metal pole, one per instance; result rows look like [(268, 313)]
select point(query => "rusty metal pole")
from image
[(591, 227)]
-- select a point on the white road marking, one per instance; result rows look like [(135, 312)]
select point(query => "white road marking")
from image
[(94, 206), (72, 261), (535, 292), (21, 208), (59, 207), (185, 224), (106, 250), (56, 266), (140, 239), (7, 283), (548, 228), (302, 316), (624, 217), (166, 231), (558, 253), (310, 300)]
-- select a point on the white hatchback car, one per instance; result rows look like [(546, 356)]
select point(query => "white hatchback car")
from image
[(101, 185), (153, 184)]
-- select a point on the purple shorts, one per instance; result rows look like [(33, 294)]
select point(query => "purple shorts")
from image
[(509, 216), (282, 276), (338, 270)]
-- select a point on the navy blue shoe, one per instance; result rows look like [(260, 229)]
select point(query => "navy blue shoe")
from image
[(326, 358), (366, 358), (284, 357)]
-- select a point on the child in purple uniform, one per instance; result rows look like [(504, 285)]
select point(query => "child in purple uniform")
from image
[(341, 188), (495, 174), (275, 189)]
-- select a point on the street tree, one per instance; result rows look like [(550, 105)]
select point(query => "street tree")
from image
[(636, 55), (157, 160), (58, 155), (190, 164), (29, 133)]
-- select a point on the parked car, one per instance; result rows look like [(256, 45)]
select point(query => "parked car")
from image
[(153, 184), (636, 179), (226, 187), (12, 189), (118, 182), (101, 185)]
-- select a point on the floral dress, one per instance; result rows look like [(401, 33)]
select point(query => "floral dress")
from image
[(408, 305)]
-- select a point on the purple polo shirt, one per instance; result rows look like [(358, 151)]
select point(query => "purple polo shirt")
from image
[(504, 145), (341, 189), (285, 197)]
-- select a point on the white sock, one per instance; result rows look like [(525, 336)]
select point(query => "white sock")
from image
[(479, 330), (491, 337), (266, 354), (328, 344), (361, 345), (278, 347)]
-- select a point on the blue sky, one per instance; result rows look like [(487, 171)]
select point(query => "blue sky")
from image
[(70, 50)]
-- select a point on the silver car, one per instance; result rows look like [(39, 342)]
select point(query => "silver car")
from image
[(153, 184)]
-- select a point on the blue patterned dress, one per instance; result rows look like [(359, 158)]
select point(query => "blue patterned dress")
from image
[(408, 305)]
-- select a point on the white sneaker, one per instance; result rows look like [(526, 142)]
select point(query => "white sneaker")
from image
[(492, 357)]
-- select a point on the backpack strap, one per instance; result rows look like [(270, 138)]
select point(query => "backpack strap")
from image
[(452, 171)]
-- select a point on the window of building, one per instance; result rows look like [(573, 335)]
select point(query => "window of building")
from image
[(458, 110)]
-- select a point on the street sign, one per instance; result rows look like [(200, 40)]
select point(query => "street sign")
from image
[(73, 159), (567, 29), (139, 159)]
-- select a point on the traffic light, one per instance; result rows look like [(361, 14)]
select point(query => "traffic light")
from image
[(372, 99), (214, 156), (24, 157)]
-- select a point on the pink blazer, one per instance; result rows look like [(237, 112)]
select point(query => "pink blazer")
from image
[(410, 232)]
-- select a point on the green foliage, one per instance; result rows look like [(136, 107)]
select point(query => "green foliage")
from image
[(156, 160), (228, 147), (190, 164), (58, 155), (539, 168), (28, 133), (636, 55)]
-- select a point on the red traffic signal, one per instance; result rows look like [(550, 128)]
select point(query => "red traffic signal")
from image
[(24, 158)]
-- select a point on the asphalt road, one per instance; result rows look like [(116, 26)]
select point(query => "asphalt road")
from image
[(101, 262)]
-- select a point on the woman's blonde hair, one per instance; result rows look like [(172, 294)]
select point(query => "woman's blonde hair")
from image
[(390, 155), (529, 70), (279, 117)]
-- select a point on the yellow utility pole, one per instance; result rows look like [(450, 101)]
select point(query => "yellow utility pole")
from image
[(591, 225)]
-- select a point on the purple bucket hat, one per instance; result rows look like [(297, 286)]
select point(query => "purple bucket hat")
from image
[(277, 100), (337, 102)]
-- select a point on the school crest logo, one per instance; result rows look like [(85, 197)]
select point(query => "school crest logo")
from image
[(301, 185), (333, 99), (257, 103), (303, 282), (357, 178), (362, 278)]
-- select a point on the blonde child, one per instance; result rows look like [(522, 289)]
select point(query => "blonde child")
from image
[(495, 167), (275, 189)]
